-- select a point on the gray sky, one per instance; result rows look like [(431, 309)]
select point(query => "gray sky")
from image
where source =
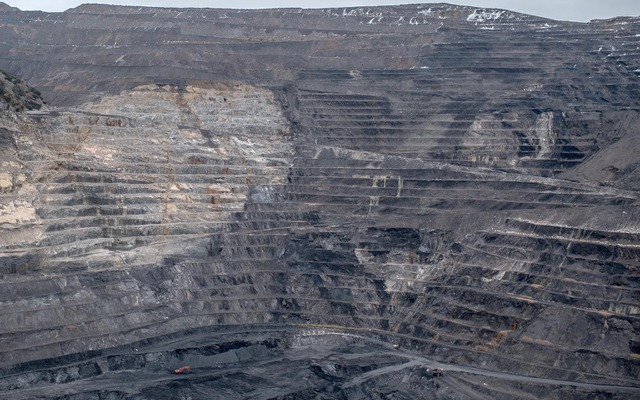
[(574, 10)]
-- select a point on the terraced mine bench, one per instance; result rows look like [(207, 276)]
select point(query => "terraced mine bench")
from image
[(307, 203)]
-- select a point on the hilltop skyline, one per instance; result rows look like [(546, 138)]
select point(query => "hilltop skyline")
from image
[(571, 10)]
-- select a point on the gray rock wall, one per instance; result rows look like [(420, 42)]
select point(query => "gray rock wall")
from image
[(278, 197)]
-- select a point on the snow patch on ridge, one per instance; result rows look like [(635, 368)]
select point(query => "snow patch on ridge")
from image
[(428, 12), (483, 15)]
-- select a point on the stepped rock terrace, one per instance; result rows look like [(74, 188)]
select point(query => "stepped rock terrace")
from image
[(323, 203)]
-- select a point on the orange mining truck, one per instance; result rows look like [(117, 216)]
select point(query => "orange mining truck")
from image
[(184, 370)]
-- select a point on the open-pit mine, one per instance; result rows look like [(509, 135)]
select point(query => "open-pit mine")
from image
[(403, 202)]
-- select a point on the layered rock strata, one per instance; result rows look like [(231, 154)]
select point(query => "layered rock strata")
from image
[(279, 197)]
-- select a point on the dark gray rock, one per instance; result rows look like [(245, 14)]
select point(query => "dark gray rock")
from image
[(320, 204)]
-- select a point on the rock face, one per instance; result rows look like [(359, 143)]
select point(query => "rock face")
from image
[(319, 204), (16, 94)]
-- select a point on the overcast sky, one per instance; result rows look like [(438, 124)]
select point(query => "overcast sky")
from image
[(574, 10)]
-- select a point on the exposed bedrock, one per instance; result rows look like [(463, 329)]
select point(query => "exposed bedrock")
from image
[(308, 203)]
